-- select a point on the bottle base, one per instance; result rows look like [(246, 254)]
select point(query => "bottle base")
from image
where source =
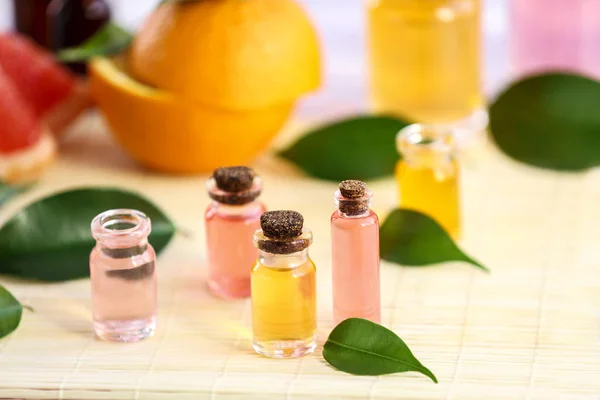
[(125, 331), (230, 289), (285, 348)]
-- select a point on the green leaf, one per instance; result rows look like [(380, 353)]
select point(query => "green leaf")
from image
[(7, 192), (359, 148), (50, 240), (10, 312), (549, 121), (109, 40), (411, 238), (361, 347)]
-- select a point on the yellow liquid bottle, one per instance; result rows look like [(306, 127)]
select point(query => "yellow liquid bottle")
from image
[(428, 175), (283, 287), (425, 60)]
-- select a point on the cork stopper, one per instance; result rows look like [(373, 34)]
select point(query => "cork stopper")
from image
[(353, 189), (234, 179), (353, 198), (282, 224), (282, 232), (234, 185)]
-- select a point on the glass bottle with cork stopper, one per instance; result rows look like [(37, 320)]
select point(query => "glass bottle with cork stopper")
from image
[(284, 303), (231, 220), (123, 276), (428, 174), (355, 254)]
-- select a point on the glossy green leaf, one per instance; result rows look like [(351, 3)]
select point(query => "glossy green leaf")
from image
[(411, 238), (358, 148), (7, 192), (110, 40), (361, 347), (549, 121), (50, 240), (10, 312)]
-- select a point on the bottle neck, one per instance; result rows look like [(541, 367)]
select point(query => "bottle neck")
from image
[(121, 231), (283, 261), (353, 208), (234, 198), (427, 146)]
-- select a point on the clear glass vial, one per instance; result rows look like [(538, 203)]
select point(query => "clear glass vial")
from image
[(231, 220), (424, 58), (428, 174), (355, 254), (555, 35), (123, 276), (284, 303)]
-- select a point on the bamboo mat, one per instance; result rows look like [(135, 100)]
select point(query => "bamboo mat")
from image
[(530, 330)]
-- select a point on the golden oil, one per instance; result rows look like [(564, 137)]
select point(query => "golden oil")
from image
[(425, 59), (283, 287), (428, 175)]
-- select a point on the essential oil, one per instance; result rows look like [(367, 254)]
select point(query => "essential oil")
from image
[(355, 255), (231, 220), (555, 35), (123, 276), (283, 288), (425, 60), (428, 174)]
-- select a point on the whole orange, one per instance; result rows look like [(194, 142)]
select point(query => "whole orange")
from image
[(208, 83)]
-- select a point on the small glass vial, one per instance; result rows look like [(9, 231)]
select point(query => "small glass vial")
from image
[(231, 220), (123, 276), (425, 61), (555, 35), (284, 304), (355, 255), (428, 174)]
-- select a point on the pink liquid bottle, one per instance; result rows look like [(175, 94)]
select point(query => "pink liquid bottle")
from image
[(355, 255), (123, 276), (231, 220), (555, 35)]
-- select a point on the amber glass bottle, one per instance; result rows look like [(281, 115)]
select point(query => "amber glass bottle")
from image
[(57, 24)]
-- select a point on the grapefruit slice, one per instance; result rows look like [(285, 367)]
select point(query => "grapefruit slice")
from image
[(26, 147), (54, 93)]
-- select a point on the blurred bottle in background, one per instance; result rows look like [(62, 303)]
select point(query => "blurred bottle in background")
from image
[(31, 19), (425, 61), (58, 24), (555, 35)]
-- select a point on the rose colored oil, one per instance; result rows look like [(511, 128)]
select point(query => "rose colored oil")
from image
[(355, 263), (231, 254), (555, 35), (231, 221), (123, 277)]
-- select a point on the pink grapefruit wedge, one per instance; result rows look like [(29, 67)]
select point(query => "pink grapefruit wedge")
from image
[(26, 146), (55, 94)]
